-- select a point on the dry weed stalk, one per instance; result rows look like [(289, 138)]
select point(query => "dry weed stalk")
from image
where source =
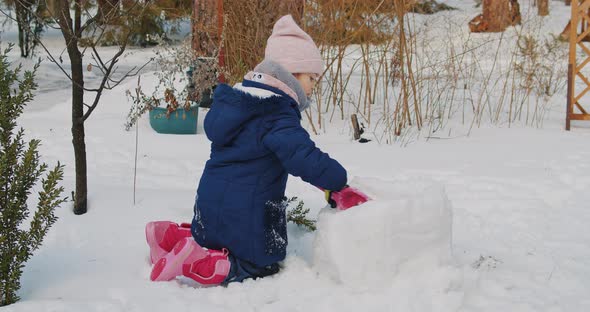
[(476, 79), (402, 74)]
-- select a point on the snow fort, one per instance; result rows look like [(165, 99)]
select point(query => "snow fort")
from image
[(405, 222)]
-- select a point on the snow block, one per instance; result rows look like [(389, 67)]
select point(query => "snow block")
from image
[(405, 221)]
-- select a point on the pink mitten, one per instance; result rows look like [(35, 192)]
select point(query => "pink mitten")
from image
[(346, 198)]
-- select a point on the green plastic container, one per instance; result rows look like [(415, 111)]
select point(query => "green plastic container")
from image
[(180, 122)]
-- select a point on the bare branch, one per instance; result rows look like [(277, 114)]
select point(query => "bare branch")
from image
[(129, 74), (87, 24), (8, 15), (53, 60), (103, 82), (97, 56), (99, 66), (49, 54), (65, 24), (93, 35)]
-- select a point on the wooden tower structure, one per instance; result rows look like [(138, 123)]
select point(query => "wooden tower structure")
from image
[(580, 20)]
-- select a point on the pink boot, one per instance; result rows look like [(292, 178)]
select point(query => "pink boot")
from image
[(161, 236), (211, 270), (207, 267)]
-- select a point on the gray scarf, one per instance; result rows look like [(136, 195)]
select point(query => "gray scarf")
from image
[(279, 72)]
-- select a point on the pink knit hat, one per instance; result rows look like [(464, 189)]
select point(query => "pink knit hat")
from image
[(293, 49)]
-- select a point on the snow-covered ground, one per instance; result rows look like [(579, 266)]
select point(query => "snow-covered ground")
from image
[(493, 221)]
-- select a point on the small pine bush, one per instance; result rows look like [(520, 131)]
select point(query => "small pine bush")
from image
[(20, 169), (298, 215)]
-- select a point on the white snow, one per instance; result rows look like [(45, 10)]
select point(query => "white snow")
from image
[(517, 238), (405, 221)]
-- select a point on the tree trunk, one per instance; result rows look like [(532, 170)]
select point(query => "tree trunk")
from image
[(78, 135), (497, 14), (543, 6), (69, 30), (568, 2), (24, 17), (24, 52)]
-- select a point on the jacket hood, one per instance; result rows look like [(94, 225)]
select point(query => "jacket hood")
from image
[(232, 108)]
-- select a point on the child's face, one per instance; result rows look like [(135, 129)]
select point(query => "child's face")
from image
[(307, 82)]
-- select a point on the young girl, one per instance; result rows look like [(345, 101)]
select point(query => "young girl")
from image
[(239, 226)]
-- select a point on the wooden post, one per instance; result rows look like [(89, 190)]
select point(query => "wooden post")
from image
[(569, 97), (580, 18), (543, 7), (572, 63), (496, 13), (497, 16), (571, 79), (355, 127)]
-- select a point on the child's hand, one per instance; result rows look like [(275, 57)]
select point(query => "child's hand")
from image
[(345, 198), (329, 199)]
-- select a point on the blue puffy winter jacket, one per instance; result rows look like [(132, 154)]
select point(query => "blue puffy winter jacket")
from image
[(255, 143)]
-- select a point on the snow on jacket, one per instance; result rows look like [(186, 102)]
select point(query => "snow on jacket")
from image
[(256, 141)]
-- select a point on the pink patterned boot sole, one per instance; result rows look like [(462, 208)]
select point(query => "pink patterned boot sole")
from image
[(221, 266), (170, 266), (162, 236)]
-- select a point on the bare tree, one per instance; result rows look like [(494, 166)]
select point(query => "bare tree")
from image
[(72, 31), (124, 19), (29, 16)]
